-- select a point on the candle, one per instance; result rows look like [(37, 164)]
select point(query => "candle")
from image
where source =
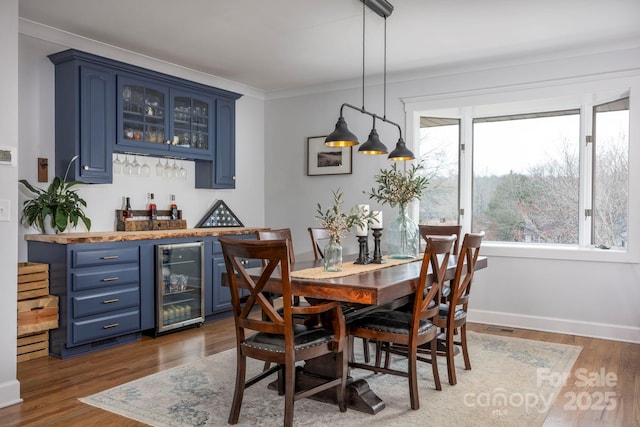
[(376, 221), (362, 229)]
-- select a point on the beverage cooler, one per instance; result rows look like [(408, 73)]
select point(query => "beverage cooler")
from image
[(180, 286)]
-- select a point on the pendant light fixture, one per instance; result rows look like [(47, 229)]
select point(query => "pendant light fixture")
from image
[(342, 136)]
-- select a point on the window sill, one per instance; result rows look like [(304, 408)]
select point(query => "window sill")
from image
[(566, 253)]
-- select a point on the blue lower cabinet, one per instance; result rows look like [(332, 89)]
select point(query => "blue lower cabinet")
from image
[(99, 290)]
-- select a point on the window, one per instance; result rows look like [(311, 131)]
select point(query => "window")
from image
[(611, 173), (439, 146), (530, 173), (526, 177)]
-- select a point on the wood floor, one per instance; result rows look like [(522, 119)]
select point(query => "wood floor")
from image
[(51, 387)]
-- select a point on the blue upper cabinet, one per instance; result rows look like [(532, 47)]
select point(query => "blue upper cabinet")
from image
[(105, 106), (84, 118), (221, 173)]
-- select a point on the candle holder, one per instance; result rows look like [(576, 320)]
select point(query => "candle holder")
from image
[(363, 255), (377, 253)]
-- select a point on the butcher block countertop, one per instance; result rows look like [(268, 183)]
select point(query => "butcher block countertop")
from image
[(123, 236)]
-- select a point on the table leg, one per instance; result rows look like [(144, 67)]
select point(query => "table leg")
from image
[(359, 396)]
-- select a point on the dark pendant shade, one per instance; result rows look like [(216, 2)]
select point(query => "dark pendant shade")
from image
[(341, 136), (401, 152), (373, 145)]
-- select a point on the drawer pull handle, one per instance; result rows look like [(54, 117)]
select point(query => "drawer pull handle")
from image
[(109, 301), (110, 257), (110, 279), (113, 325)]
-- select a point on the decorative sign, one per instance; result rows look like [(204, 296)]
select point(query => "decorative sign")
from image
[(7, 156), (219, 216)]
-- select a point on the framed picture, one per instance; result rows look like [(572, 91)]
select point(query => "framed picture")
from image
[(323, 160)]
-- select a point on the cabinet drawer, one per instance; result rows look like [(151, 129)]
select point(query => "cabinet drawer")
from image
[(105, 326), (105, 257), (81, 280), (105, 301)]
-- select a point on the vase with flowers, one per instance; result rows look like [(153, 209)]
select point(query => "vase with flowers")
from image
[(400, 188), (338, 223)]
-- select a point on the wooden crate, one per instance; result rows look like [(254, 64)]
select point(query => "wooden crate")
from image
[(33, 280), (37, 315), (33, 346), (123, 224)]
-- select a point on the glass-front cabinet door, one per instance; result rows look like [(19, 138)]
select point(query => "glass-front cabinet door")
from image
[(180, 285), (191, 123), (143, 119), (164, 120)]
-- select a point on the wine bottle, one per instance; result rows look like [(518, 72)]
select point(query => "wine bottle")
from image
[(128, 212), (173, 207), (153, 209)]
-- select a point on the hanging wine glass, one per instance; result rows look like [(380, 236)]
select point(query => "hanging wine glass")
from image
[(145, 171), (159, 168), (183, 171), (175, 170), (137, 167), (127, 167), (117, 165), (168, 170)]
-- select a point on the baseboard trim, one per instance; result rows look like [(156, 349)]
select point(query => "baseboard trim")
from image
[(10, 393), (561, 326)]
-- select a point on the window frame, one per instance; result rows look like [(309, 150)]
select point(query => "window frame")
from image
[(582, 93)]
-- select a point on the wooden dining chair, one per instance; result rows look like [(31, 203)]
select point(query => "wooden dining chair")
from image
[(410, 329), (427, 230), (453, 314), (281, 234), (275, 338), (318, 234)]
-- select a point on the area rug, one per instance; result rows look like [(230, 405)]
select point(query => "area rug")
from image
[(509, 384)]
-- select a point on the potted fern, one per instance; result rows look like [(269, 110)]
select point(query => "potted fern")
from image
[(57, 207)]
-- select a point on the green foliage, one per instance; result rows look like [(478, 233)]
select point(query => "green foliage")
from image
[(398, 188), (59, 200), (336, 221)]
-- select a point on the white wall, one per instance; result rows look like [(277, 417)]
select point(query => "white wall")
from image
[(580, 297), (9, 386)]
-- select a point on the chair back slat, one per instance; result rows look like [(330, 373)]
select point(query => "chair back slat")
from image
[(318, 234), (435, 260), (275, 256), (465, 270), (441, 230), (280, 234)]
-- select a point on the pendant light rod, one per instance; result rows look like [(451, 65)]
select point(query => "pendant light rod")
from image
[(374, 115), (384, 98), (381, 7), (363, 51)]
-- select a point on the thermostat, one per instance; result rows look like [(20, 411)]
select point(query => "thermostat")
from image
[(7, 156)]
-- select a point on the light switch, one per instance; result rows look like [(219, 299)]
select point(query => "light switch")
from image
[(5, 210)]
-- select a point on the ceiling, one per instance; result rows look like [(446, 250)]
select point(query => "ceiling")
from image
[(273, 45)]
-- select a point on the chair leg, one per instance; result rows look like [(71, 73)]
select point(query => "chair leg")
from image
[(241, 371), (412, 355), (378, 353), (352, 356), (450, 351), (342, 360), (463, 343), (434, 363), (365, 345), (289, 393)]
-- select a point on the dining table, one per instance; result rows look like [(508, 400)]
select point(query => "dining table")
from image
[(361, 288)]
